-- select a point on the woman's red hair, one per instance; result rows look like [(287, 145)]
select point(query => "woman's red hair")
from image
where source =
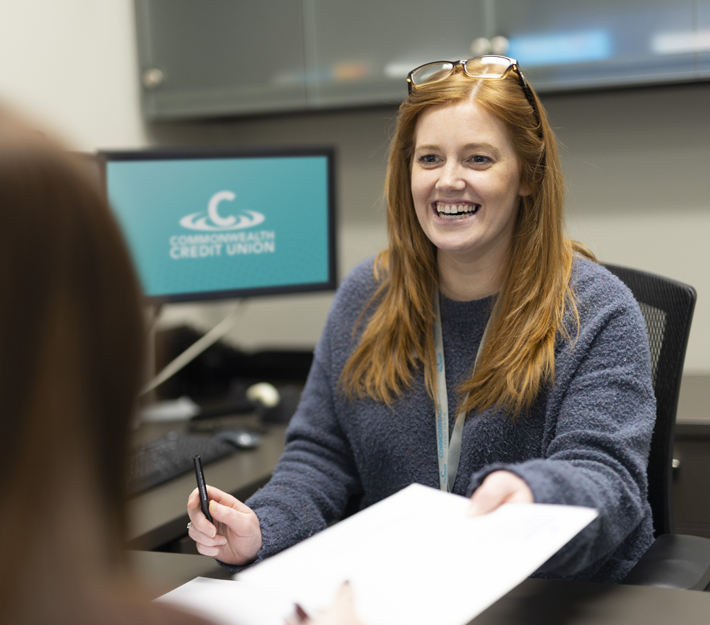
[(518, 356)]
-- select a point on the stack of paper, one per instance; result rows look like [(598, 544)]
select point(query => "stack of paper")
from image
[(412, 558)]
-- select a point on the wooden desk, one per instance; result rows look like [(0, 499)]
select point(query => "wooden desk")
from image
[(159, 515), (534, 602)]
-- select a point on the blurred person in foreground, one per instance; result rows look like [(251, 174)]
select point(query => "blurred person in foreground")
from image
[(71, 355), (71, 358)]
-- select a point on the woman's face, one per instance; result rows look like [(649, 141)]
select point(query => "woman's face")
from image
[(466, 182)]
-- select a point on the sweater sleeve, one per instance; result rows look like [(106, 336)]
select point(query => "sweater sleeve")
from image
[(316, 475), (600, 416)]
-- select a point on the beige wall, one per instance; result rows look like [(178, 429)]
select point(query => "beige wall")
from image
[(638, 169), (73, 63), (637, 162)]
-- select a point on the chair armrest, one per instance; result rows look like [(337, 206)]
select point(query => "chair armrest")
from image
[(674, 561)]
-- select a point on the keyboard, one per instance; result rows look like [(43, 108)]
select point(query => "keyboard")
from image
[(166, 458)]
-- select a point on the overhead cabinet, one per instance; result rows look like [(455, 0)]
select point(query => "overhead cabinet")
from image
[(702, 38), (578, 45), (361, 52), (207, 58)]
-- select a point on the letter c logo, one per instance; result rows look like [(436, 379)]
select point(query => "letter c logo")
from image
[(212, 209)]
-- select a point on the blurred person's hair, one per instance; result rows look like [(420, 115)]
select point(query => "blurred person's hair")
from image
[(71, 356), (518, 356)]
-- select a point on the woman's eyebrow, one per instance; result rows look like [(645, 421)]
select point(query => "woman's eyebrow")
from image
[(468, 146), (481, 146), (426, 147)]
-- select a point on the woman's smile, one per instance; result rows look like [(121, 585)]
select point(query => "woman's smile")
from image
[(454, 210)]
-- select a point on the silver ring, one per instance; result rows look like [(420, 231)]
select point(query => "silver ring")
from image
[(189, 524)]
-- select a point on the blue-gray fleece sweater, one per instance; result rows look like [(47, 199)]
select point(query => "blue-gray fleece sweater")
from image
[(585, 441)]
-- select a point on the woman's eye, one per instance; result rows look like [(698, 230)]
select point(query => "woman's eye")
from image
[(428, 159), (479, 159)]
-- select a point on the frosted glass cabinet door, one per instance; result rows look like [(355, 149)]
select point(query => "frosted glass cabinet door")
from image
[(220, 57), (360, 51), (703, 38), (565, 45)]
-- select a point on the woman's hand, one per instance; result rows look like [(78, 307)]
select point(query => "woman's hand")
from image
[(498, 488), (235, 536)]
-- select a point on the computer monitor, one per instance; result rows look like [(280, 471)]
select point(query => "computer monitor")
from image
[(205, 225)]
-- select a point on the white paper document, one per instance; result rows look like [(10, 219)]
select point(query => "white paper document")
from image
[(412, 558), (226, 602)]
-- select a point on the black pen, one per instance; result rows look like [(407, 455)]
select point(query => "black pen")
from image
[(202, 487)]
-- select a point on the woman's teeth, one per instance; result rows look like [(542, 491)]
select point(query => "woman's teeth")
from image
[(456, 211)]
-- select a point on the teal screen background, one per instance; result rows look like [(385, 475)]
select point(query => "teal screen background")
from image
[(150, 197)]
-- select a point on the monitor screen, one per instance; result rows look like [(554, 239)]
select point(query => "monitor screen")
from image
[(211, 225)]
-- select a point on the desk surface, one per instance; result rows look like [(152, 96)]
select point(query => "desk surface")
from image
[(159, 515), (541, 602), (534, 602)]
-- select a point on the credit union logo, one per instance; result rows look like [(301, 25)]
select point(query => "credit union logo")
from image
[(213, 221), (216, 237)]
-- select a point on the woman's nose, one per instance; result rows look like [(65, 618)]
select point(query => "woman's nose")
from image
[(451, 178)]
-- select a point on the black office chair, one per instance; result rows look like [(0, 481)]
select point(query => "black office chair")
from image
[(667, 306)]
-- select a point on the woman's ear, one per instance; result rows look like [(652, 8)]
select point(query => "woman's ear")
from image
[(524, 190)]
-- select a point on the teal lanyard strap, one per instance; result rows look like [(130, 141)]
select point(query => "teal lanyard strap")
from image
[(448, 451)]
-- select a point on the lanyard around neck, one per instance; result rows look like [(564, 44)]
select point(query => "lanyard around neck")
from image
[(448, 451)]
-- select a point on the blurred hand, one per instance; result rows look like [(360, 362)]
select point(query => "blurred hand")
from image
[(498, 488), (342, 612), (235, 536)]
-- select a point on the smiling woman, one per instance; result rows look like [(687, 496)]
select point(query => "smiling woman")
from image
[(481, 317)]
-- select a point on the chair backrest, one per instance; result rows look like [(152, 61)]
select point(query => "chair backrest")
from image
[(667, 307)]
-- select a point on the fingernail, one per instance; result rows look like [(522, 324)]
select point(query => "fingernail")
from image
[(473, 510)]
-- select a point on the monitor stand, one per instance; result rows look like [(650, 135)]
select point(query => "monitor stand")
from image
[(148, 397)]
